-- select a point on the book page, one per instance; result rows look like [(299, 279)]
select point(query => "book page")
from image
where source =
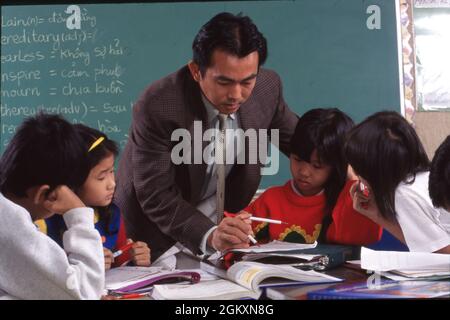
[(120, 277), (273, 246), (276, 246), (251, 274), (215, 289), (299, 256)]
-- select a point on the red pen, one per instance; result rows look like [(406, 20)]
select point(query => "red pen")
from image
[(122, 250), (133, 295), (365, 192)]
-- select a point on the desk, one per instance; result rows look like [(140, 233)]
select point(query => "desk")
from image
[(299, 292)]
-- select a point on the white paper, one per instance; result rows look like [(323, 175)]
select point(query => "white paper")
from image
[(273, 246), (215, 289), (414, 274), (355, 262), (395, 260), (257, 256), (404, 277), (276, 246), (123, 276), (117, 278)]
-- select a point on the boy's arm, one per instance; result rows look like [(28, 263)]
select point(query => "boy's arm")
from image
[(35, 267)]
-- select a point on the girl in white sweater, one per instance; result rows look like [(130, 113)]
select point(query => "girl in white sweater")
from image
[(387, 155), (40, 167)]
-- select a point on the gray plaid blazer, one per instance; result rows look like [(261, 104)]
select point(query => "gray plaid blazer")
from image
[(158, 198)]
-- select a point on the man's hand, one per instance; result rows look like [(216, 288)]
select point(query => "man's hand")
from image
[(245, 216), (62, 199), (140, 253), (232, 233)]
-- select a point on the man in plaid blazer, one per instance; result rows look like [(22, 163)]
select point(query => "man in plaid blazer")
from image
[(163, 202)]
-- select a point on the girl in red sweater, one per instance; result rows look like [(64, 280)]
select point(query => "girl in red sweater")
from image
[(315, 204)]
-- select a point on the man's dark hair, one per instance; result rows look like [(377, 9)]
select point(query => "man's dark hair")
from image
[(234, 34), (385, 150), (46, 149), (439, 182)]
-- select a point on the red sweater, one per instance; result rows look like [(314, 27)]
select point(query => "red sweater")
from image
[(304, 216)]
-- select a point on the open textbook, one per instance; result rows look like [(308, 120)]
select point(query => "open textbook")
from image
[(243, 280), (254, 275), (205, 290)]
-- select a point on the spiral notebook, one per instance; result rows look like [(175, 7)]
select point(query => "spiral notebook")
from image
[(141, 279)]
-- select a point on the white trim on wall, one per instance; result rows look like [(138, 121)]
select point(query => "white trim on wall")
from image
[(400, 56)]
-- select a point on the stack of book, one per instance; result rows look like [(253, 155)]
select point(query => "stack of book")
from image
[(395, 275), (384, 289)]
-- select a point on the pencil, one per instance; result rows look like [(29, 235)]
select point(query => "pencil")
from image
[(267, 220), (231, 215), (253, 240)]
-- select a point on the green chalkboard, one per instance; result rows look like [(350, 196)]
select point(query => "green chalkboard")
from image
[(323, 50)]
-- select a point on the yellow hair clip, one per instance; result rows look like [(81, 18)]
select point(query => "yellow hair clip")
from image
[(96, 143)]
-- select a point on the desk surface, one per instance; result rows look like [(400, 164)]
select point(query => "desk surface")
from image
[(298, 292)]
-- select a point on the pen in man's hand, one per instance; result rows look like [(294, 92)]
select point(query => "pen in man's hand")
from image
[(252, 218)]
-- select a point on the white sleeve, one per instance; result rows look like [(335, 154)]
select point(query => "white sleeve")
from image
[(204, 244), (418, 220), (33, 266)]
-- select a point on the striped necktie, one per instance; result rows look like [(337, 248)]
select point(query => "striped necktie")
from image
[(220, 155)]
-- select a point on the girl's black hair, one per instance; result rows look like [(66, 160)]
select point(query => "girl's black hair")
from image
[(324, 130), (439, 182), (385, 150), (94, 157)]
